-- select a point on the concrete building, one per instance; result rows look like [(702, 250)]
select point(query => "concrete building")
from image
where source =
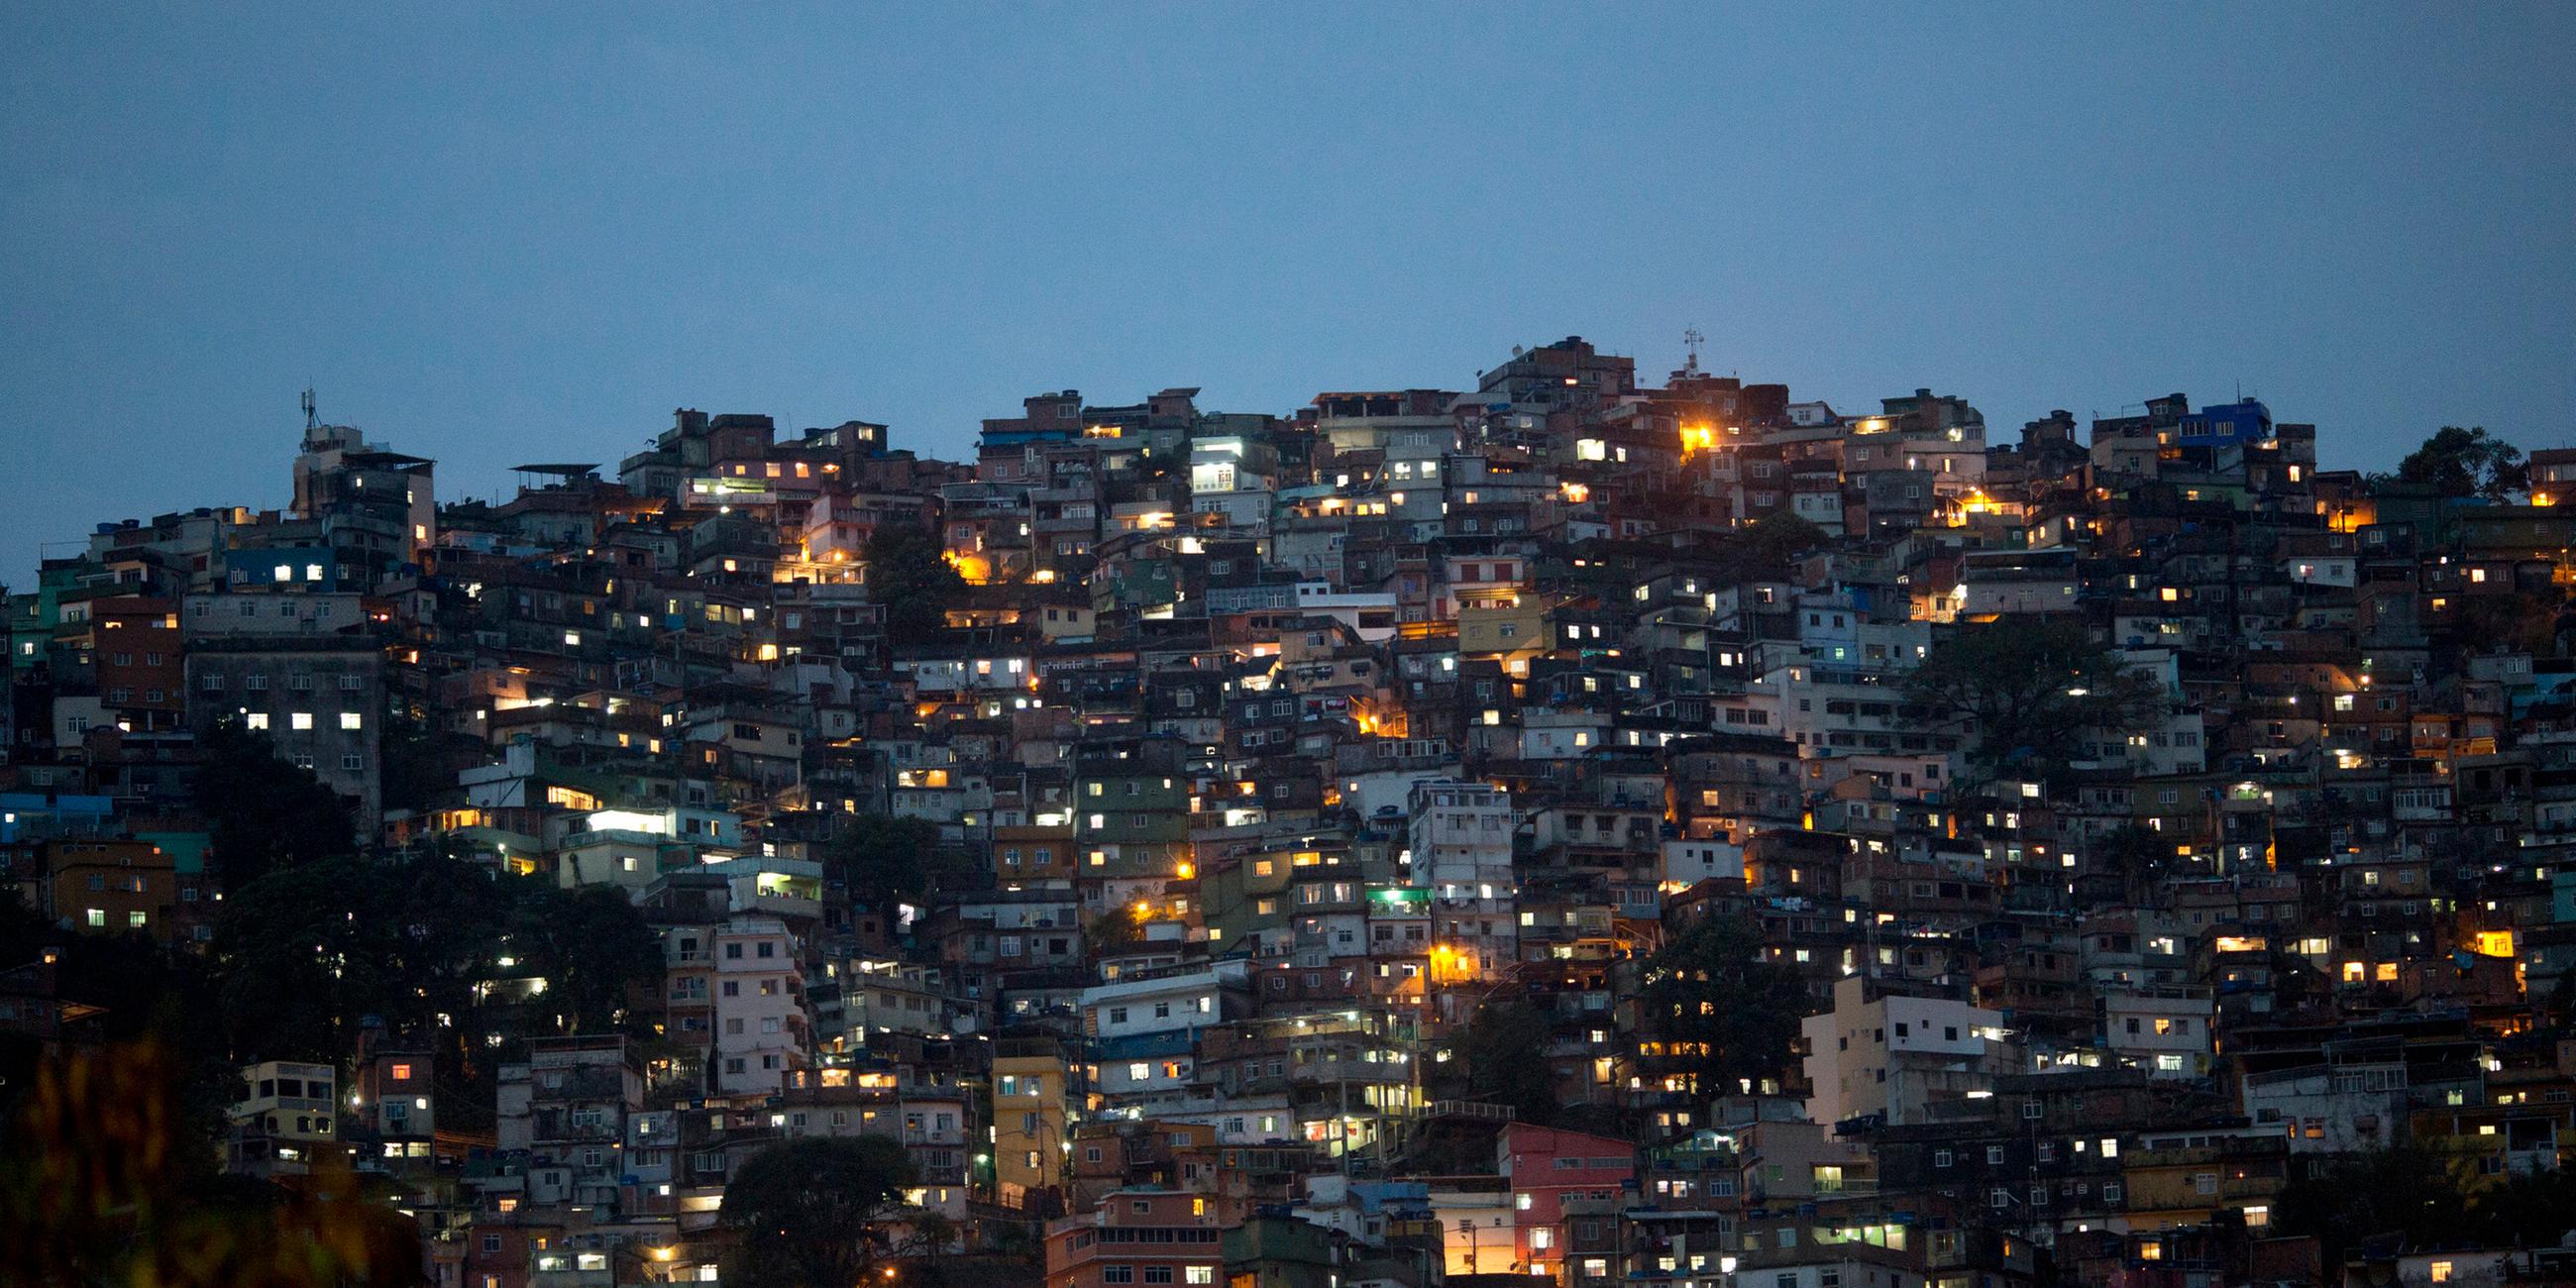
[(1889, 1058)]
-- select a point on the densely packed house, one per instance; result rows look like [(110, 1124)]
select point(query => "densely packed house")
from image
[(1563, 828)]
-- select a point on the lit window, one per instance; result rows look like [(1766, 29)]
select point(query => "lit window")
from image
[(351, 720), (301, 720)]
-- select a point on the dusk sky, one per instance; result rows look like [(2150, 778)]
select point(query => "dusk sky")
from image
[(527, 233)]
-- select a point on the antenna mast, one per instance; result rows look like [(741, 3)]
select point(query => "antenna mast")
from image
[(1691, 340), (309, 421)]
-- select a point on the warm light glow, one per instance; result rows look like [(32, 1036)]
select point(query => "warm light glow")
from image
[(976, 569)]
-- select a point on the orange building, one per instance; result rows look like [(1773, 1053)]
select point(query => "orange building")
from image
[(1137, 1237), (113, 886)]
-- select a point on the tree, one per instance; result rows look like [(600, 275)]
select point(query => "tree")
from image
[(2526, 619), (303, 952), (2137, 855), (416, 769), (2526, 1210), (264, 812), (1505, 1053), (441, 918), (1777, 538), (591, 946), (2466, 462), (1731, 1015), (2405, 1191), (2025, 692), (882, 858), (813, 1211), (909, 574), (1115, 931), (404, 941)]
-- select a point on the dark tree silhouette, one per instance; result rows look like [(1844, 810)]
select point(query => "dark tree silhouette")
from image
[(1505, 1053), (2466, 462), (591, 946), (264, 812), (1732, 1015), (881, 858), (303, 953), (909, 574), (2025, 691), (813, 1211), (1776, 539)]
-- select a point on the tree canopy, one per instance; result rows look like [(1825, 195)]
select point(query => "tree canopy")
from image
[(2026, 691), (1730, 1014), (1504, 1051), (1777, 538), (813, 1210), (406, 941), (265, 812), (2424, 1199), (886, 858), (909, 574), (2466, 463), (591, 945)]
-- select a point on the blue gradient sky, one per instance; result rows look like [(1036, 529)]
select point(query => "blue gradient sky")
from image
[(492, 236)]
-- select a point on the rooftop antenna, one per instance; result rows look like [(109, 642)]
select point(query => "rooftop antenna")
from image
[(1691, 340), (309, 421)]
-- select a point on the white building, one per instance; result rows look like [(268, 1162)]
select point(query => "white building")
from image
[(1459, 847), (2331, 1108), (1892, 1056), (762, 1032), (1832, 709), (1687, 863), (1161, 1002), (2164, 1032)]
